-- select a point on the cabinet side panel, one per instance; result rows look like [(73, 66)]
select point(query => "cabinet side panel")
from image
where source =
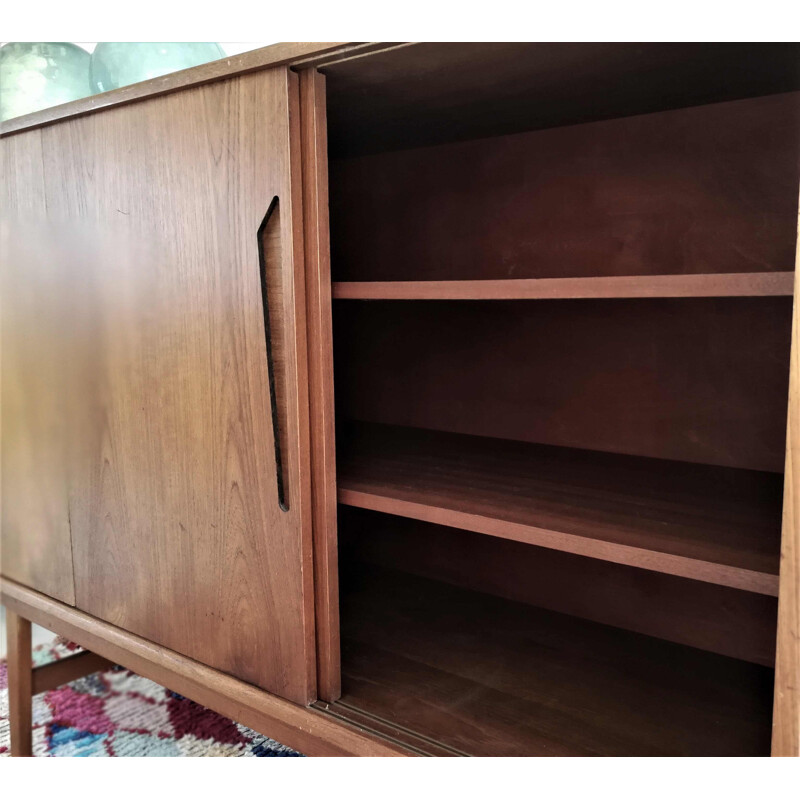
[(786, 716)]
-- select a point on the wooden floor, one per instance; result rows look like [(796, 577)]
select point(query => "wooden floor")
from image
[(484, 676), (713, 524)]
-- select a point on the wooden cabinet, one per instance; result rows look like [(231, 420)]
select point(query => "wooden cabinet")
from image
[(441, 390)]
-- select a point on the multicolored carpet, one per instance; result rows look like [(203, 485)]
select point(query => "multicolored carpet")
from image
[(117, 713)]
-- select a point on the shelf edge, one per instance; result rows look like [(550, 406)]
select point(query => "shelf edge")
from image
[(652, 560), (737, 284)]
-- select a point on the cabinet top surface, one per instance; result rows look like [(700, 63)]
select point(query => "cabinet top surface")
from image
[(283, 53), (389, 95)]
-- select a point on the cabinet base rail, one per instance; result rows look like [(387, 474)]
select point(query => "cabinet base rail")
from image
[(308, 730)]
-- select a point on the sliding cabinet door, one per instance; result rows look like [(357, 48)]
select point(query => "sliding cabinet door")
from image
[(176, 221), (35, 547)]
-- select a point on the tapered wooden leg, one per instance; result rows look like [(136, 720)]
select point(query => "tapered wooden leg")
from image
[(20, 683)]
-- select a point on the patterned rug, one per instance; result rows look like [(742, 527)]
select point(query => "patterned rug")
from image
[(117, 713)]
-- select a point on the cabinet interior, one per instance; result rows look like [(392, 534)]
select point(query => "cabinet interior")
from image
[(559, 511)]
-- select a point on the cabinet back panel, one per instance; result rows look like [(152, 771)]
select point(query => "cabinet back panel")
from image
[(425, 93), (695, 190), (700, 380), (715, 618)]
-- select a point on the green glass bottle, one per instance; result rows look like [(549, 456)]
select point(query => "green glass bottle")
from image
[(35, 75), (116, 64)]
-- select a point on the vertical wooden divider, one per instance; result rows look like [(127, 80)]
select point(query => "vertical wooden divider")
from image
[(786, 714), (314, 149)]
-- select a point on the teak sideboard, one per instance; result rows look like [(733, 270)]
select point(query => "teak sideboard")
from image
[(416, 399)]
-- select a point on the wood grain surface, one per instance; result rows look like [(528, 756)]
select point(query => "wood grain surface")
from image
[(742, 284), (35, 541), (695, 190), (151, 233), (786, 717), (307, 730), (731, 622), (320, 380), (705, 523), (264, 57), (489, 677), (20, 683), (699, 379)]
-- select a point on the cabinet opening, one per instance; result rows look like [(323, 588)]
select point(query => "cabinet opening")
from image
[(710, 189), (695, 380), (561, 365), (489, 647)]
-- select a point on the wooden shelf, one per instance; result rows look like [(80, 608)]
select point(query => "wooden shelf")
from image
[(738, 284), (711, 524), (484, 676)]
